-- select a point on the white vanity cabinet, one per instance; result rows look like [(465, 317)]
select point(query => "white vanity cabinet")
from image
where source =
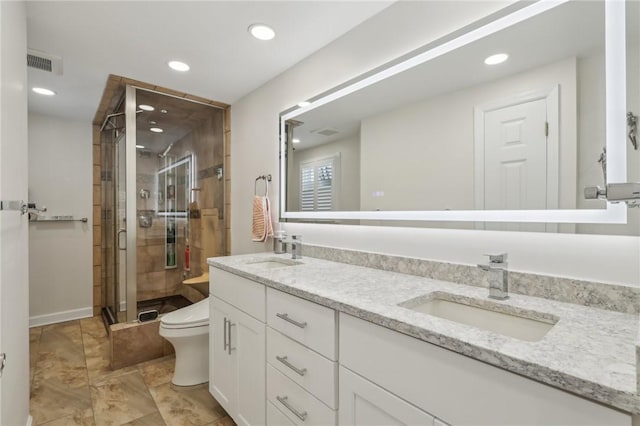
[(237, 346), (279, 359), (302, 368), (389, 378)]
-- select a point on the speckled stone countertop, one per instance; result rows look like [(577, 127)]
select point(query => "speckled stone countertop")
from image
[(590, 352)]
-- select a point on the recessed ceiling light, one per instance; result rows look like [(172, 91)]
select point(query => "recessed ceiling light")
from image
[(295, 140), (43, 91), (179, 66), (261, 31), (146, 107), (153, 122), (156, 130), (164, 111), (304, 104), (140, 146), (496, 59)]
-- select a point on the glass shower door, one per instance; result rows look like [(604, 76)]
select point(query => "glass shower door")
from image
[(166, 150), (112, 143)]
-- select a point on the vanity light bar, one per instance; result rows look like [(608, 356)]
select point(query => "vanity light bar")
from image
[(616, 91), (614, 214)]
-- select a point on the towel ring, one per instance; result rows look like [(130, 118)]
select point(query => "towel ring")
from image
[(266, 178)]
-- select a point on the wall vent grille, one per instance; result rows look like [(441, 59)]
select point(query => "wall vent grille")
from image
[(44, 62)]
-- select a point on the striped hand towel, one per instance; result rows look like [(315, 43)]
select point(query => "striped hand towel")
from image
[(261, 227)]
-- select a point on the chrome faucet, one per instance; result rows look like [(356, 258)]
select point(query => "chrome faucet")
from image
[(296, 246), (498, 275)]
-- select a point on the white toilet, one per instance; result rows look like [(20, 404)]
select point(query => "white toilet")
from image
[(187, 329)]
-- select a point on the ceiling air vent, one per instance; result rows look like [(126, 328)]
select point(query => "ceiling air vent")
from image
[(327, 132), (44, 61)]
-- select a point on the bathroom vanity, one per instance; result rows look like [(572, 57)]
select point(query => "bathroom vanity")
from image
[(318, 342)]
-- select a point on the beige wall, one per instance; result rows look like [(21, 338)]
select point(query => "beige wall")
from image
[(60, 255)]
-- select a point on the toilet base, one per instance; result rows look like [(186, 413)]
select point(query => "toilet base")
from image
[(192, 355)]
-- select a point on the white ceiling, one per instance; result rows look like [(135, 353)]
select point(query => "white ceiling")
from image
[(136, 39)]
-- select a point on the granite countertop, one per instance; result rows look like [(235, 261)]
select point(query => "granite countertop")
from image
[(590, 352)]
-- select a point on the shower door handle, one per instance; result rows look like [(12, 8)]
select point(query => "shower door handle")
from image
[(120, 245)]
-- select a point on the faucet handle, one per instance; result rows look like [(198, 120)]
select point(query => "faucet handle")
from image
[(497, 258)]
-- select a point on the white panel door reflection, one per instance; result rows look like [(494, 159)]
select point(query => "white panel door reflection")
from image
[(515, 161)]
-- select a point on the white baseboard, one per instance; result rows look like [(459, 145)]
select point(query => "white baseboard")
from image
[(29, 420), (63, 316)]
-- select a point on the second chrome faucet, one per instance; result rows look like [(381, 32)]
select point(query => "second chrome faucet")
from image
[(498, 275), (280, 245)]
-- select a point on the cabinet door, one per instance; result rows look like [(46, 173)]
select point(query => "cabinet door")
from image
[(248, 345), (363, 403), (223, 371)]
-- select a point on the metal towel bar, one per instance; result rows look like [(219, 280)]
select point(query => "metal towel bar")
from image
[(36, 218), (266, 178)]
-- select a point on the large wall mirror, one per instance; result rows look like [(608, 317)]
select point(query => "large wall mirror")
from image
[(453, 135)]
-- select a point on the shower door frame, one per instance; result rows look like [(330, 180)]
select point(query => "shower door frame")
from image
[(131, 226), (110, 227)]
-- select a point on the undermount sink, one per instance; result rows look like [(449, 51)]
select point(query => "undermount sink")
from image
[(274, 262), (503, 319)]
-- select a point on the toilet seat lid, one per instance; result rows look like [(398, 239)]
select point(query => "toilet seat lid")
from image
[(189, 316)]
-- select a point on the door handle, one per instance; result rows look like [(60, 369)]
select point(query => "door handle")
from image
[(122, 246), (21, 206), (3, 361)]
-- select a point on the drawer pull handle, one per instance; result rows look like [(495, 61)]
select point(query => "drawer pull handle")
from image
[(283, 359), (283, 400), (225, 335), (229, 325), (292, 321)]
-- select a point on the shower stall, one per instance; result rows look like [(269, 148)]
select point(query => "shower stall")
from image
[(162, 201)]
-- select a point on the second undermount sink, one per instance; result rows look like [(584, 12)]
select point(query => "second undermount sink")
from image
[(273, 262), (503, 319)]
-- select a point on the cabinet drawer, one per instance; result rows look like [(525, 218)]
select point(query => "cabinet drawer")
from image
[(276, 418), (244, 294), (306, 322), (297, 404), (307, 368)]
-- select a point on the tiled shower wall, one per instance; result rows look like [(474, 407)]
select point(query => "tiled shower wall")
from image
[(207, 181), (206, 143), (153, 280)]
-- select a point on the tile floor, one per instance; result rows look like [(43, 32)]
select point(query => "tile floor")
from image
[(72, 384)]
